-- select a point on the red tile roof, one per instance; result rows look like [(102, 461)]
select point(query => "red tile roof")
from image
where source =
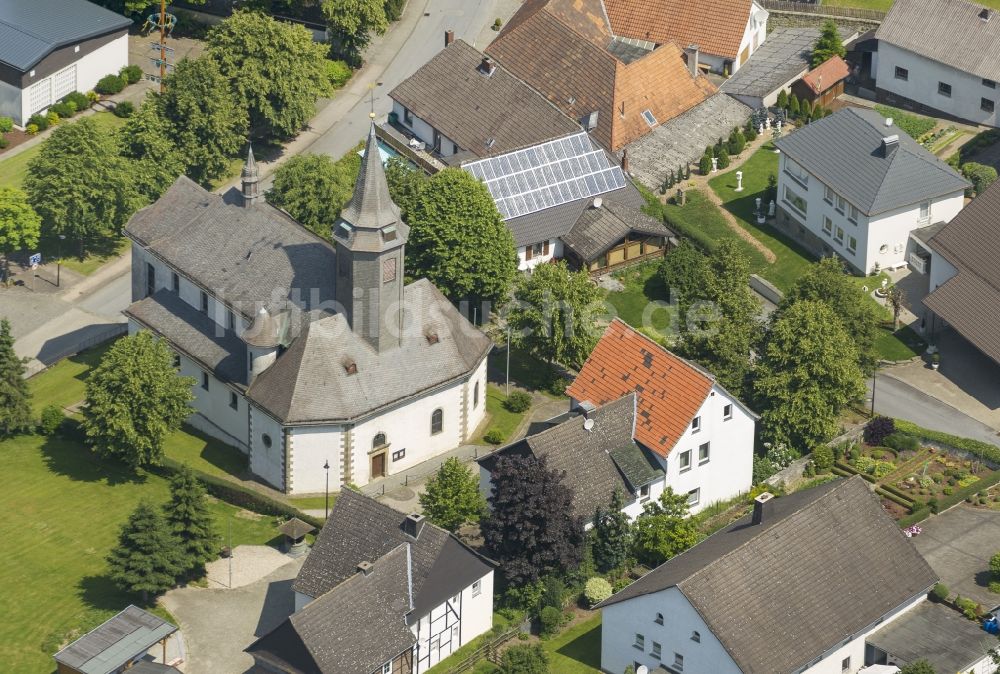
[(670, 389), (826, 74), (716, 26)]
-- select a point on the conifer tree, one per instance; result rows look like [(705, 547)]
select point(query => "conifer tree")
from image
[(15, 397), (612, 534), (190, 522), (146, 559)]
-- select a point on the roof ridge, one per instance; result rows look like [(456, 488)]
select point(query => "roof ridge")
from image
[(694, 366)]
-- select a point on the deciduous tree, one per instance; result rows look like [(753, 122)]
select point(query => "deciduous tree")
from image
[(15, 396), (274, 68), (351, 23), (807, 372), (313, 188), (458, 240), (612, 534), (663, 529), (684, 272), (190, 522), (530, 528), (134, 399), (828, 45), (146, 559), (553, 314), (154, 158), (20, 226), (452, 497), (918, 667)]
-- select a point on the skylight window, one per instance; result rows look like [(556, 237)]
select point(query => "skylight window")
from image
[(648, 116)]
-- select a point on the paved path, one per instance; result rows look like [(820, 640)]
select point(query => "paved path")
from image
[(218, 624), (958, 545)]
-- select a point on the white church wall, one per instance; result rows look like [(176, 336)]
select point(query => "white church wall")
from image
[(311, 447), (267, 462)]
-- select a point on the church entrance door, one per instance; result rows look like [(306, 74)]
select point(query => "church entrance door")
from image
[(378, 465)]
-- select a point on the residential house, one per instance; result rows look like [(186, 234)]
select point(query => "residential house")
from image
[(855, 185), (824, 83), (700, 435), (727, 32), (119, 644), (940, 56), (463, 106), (50, 48), (299, 350), (380, 593), (598, 453), (964, 272), (798, 586), (619, 87)]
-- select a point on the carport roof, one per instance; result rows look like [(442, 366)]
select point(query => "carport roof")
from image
[(782, 57), (29, 31), (115, 642)]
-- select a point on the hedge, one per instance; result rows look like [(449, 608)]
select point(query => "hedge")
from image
[(238, 495), (898, 492), (957, 497), (978, 447), (906, 503), (846, 467)]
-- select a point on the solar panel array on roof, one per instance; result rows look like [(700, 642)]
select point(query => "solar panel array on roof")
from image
[(546, 175)]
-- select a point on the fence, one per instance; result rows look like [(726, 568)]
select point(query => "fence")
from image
[(487, 651), (823, 10)]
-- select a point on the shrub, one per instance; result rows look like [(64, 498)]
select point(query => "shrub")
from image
[(865, 464), (71, 106), (131, 74), (705, 165), (939, 592), (524, 659), (551, 619), (52, 117), (31, 129), (994, 586), (518, 402), (494, 436), (6, 124), (968, 607), (92, 96), (3, 142), (723, 158), (64, 110), (109, 85), (995, 565), (902, 442), (948, 491), (124, 109), (980, 175), (52, 418), (553, 592), (882, 468), (822, 457), (596, 590), (40, 121), (878, 429), (557, 386), (79, 100), (337, 73)]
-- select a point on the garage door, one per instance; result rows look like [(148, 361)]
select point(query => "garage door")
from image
[(40, 95), (64, 82)]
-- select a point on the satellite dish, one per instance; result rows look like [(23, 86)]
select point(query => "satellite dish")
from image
[(642, 669), (588, 424)]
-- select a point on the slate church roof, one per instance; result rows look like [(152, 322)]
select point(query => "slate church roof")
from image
[(824, 564), (596, 461)]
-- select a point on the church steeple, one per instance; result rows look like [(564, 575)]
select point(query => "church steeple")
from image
[(370, 237), (251, 190)]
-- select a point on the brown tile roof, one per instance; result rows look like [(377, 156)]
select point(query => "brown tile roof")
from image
[(971, 300), (825, 75), (560, 47), (716, 26), (824, 564), (451, 93), (670, 389)]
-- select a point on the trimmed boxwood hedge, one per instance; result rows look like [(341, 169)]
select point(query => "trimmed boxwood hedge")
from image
[(948, 501), (905, 502), (978, 447)]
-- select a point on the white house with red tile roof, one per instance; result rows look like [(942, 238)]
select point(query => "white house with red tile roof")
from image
[(700, 433)]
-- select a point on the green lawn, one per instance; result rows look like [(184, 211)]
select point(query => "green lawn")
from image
[(14, 169), (500, 416), (64, 383), (642, 286), (900, 345), (526, 371), (792, 260), (312, 502), (577, 650)]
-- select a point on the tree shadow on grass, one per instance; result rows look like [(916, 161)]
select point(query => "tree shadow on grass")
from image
[(585, 649), (100, 592), (65, 454)]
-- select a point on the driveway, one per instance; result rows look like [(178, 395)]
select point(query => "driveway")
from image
[(218, 624), (958, 545)]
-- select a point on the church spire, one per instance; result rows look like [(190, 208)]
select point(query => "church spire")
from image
[(371, 207), (251, 189)]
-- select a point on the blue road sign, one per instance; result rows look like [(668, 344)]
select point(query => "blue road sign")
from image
[(36, 258)]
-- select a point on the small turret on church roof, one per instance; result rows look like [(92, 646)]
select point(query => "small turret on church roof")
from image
[(250, 180)]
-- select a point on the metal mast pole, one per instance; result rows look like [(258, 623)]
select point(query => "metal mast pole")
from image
[(163, 43)]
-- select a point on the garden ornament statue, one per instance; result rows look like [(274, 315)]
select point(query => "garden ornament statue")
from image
[(739, 181)]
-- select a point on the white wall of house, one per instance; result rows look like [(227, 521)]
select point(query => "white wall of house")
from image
[(538, 254), (728, 470), (623, 621), (267, 462), (453, 624), (424, 131), (861, 240), (921, 85), (941, 270)]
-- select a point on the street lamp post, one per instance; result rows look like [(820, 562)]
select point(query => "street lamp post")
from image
[(326, 511), (62, 237), (874, 373), (508, 362)]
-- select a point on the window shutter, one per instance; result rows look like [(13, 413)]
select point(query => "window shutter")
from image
[(545, 248), (527, 253)]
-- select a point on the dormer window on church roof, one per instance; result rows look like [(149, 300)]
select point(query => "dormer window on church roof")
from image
[(389, 233), (343, 230)]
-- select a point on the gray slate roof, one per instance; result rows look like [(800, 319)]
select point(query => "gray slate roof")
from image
[(947, 31), (784, 55), (555, 222), (310, 383), (451, 94), (825, 563), (194, 333), (598, 229), (371, 212), (595, 462), (936, 633), (246, 256), (844, 150), (352, 629), (29, 31), (360, 529), (115, 642)]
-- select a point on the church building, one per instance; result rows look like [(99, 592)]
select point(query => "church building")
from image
[(307, 354)]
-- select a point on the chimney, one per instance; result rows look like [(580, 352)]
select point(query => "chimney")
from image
[(365, 568), (412, 525), (691, 52), (762, 507), (449, 37), (889, 145), (625, 160), (488, 66), (986, 14), (590, 121)]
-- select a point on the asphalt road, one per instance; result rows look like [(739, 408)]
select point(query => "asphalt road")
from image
[(894, 398)]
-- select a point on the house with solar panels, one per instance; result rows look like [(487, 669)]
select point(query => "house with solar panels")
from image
[(50, 48)]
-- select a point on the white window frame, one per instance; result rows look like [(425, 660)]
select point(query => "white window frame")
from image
[(678, 662), (852, 244), (655, 650), (477, 588), (696, 424), (707, 447), (841, 206), (827, 226), (727, 411), (924, 212), (838, 235), (694, 496), (852, 214), (828, 194), (790, 197), (797, 173), (684, 461)]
